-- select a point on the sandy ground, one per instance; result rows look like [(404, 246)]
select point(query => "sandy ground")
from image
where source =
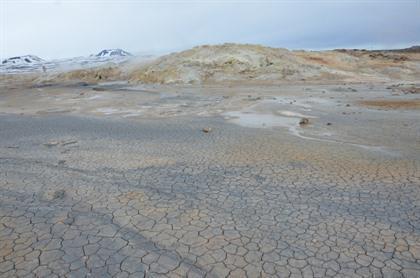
[(120, 180)]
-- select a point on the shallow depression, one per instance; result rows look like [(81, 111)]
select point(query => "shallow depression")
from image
[(257, 120)]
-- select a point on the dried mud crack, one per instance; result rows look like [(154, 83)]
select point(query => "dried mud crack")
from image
[(161, 197)]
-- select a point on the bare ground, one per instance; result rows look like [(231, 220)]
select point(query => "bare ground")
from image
[(115, 179)]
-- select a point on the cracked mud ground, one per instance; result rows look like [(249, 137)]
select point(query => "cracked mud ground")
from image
[(120, 198)]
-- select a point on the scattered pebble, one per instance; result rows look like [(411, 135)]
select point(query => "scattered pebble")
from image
[(12, 147), (52, 143), (59, 194), (62, 143), (68, 142), (304, 121), (51, 195)]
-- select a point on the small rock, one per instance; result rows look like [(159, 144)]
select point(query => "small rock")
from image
[(51, 143), (206, 129), (68, 142), (59, 194), (51, 195), (83, 84), (69, 220), (329, 123), (347, 105), (304, 121), (61, 143), (61, 162), (13, 147)]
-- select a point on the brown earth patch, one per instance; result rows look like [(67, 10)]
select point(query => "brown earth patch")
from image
[(393, 104), (317, 59)]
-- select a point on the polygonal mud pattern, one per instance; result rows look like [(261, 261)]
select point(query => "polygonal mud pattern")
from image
[(162, 197)]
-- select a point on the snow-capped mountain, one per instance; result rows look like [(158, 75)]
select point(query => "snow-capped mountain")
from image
[(22, 60), (113, 53), (31, 63), (25, 63)]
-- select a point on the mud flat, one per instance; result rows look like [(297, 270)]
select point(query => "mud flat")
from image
[(219, 161), (120, 180)]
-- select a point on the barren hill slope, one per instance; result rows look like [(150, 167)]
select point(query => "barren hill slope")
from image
[(253, 63), (233, 62)]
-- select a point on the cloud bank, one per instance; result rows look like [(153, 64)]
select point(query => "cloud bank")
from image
[(55, 29)]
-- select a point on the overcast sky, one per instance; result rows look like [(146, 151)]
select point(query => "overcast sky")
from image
[(66, 28)]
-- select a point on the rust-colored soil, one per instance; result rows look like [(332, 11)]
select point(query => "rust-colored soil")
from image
[(393, 104), (317, 59)]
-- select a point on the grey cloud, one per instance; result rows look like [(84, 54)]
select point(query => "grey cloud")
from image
[(53, 29)]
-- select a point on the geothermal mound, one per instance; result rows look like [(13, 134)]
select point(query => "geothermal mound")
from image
[(234, 62)]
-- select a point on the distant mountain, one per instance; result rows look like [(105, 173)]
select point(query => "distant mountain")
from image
[(113, 53), (31, 63), (22, 60), (415, 49)]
